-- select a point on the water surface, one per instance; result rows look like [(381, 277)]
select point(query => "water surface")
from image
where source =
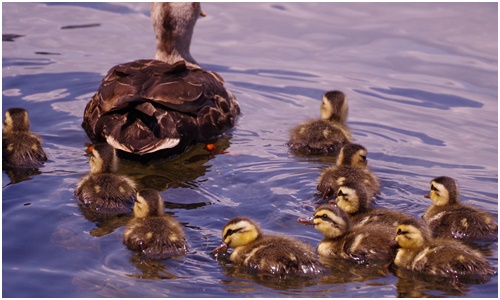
[(421, 81)]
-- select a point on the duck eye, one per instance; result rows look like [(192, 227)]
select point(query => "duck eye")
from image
[(363, 157), (324, 217), (229, 232), (340, 194), (433, 188)]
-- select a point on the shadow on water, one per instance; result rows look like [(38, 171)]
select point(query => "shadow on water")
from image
[(423, 98)]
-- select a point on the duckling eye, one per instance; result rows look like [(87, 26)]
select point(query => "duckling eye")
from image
[(341, 194), (433, 188), (363, 157), (400, 231), (324, 217), (229, 232)]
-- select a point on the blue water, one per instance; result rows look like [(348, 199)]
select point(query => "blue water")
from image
[(421, 81)]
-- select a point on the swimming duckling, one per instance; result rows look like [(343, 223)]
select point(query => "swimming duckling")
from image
[(443, 257), (21, 148), (326, 135), (447, 217), (352, 198), (351, 166), (152, 232), (163, 104), (101, 190), (275, 255), (363, 244)]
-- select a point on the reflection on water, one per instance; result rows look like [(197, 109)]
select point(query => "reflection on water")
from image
[(421, 81)]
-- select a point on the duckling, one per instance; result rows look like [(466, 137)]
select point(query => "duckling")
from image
[(351, 166), (152, 232), (101, 190), (160, 106), (326, 135), (363, 244), (447, 217), (21, 148), (442, 257), (352, 198), (275, 255)]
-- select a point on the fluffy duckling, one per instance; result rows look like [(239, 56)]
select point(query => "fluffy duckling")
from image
[(160, 106), (101, 190), (447, 217), (351, 166), (363, 244), (275, 255), (443, 257), (352, 198), (152, 232), (21, 148), (326, 135)]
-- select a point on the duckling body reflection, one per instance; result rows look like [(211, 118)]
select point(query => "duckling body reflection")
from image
[(326, 135), (275, 255), (160, 106), (20, 147), (364, 244), (351, 166), (443, 257), (151, 232), (102, 190), (447, 217)]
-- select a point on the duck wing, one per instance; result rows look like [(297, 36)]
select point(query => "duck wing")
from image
[(149, 105)]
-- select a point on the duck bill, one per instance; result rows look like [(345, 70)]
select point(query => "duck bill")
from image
[(306, 221), (222, 248), (427, 196)]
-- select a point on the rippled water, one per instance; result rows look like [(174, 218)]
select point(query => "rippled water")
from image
[(421, 80)]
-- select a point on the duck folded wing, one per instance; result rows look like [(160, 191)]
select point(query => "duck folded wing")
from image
[(148, 105)]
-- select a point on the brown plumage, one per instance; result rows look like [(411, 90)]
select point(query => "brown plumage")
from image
[(20, 147), (351, 166), (102, 190), (326, 135), (352, 198), (275, 255), (443, 257), (364, 244), (162, 104), (151, 232), (447, 217)]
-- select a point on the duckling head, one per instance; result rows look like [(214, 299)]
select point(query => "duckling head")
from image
[(412, 234), (238, 232), (444, 191), (328, 219), (16, 120), (103, 158), (148, 203), (334, 106), (353, 155), (173, 24), (352, 198)]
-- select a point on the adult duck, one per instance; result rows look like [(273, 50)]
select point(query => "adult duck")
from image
[(160, 106)]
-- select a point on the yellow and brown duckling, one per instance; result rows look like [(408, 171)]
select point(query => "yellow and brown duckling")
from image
[(352, 198), (20, 147), (102, 190), (351, 166), (277, 255), (447, 217), (364, 244), (441, 256), (151, 232), (160, 106), (326, 135)]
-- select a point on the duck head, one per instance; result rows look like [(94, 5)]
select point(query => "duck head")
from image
[(238, 232), (353, 155), (334, 106), (352, 198), (16, 120), (173, 24), (103, 158), (329, 220), (443, 191), (148, 203)]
